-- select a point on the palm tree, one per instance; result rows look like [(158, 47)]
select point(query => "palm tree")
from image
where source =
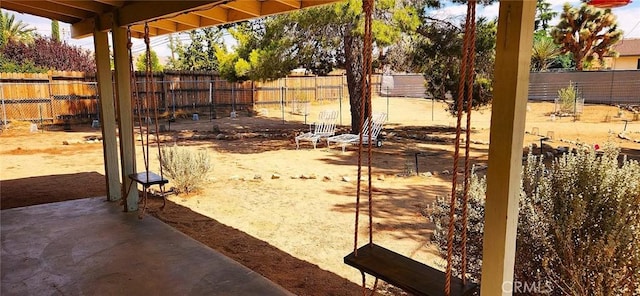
[(14, 30), (543, 53), (544, 14)]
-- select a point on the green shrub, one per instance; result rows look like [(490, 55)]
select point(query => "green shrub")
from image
[(567, 98), (187, 169), (578, 226)]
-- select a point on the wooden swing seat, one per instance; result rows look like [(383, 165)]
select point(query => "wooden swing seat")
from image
[(405, 273), (154, 179)]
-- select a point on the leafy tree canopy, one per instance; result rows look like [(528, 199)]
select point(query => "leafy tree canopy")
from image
[(141, 62), (587, 32), (318, 39), (49, 54), (439, 52), (199, 54), (261, 53)]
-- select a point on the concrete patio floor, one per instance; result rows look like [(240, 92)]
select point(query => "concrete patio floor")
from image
[(90, 247)]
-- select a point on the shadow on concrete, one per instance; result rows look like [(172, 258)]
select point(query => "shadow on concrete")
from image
[(53, 188)]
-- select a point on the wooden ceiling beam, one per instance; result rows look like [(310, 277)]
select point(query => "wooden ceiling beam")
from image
[(190, 20), (164, 24), (137, 31), (310, 3), (141, 11), (218, 14), (115, 3), (237, 16), (55, 8), (92, 6), (291, 3), (186, 14), (206, 22), (252, 8), (19, 7), (135, 12), (274, 7)]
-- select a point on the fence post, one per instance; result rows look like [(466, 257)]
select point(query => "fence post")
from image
[(233, 97), (575, 102), (4, 109), (253, 94), (315, 82), (282, 102), (433, 105), (387, 102), (210, 100), (52, 104), (341, 94)]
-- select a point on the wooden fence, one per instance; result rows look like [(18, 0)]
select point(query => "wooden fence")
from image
[(56, 95), (48, 96)]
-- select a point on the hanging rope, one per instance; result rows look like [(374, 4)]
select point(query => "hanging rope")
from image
[(365, 112), (465, 84), (471, 31), (147, 89), (367, 6), (151, 103), (465, 92), (143, 109), (135, 93)]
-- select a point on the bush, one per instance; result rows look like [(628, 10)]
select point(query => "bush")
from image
[(475, 213), (187, 169), (567, 98), (578, 227), (25, 66), (49, 54)]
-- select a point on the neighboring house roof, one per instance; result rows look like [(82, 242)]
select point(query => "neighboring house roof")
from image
[(628, 47)]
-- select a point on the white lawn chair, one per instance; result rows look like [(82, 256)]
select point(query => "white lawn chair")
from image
[(324, 127), (378, 120)]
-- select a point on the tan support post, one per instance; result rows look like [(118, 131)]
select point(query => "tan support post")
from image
[(125, 116), (511, 81), (107, 116)]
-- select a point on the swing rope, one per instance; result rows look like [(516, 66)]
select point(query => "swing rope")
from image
[(136, 96), (143, 107), (154, 98), (465, 92), (365, 111), (367, 6)]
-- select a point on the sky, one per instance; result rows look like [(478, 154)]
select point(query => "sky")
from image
[(628, 22)]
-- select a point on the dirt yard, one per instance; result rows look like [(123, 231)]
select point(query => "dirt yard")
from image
[(289, 214)]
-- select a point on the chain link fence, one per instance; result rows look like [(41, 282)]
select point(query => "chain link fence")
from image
[(41, 102), (186, 94)]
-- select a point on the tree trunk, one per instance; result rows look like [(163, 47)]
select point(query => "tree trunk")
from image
[(353, 64)]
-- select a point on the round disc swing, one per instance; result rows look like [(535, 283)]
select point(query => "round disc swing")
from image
[(144, 108), (380, 262)]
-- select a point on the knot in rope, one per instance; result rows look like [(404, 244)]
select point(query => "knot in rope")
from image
[(147, 40)]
